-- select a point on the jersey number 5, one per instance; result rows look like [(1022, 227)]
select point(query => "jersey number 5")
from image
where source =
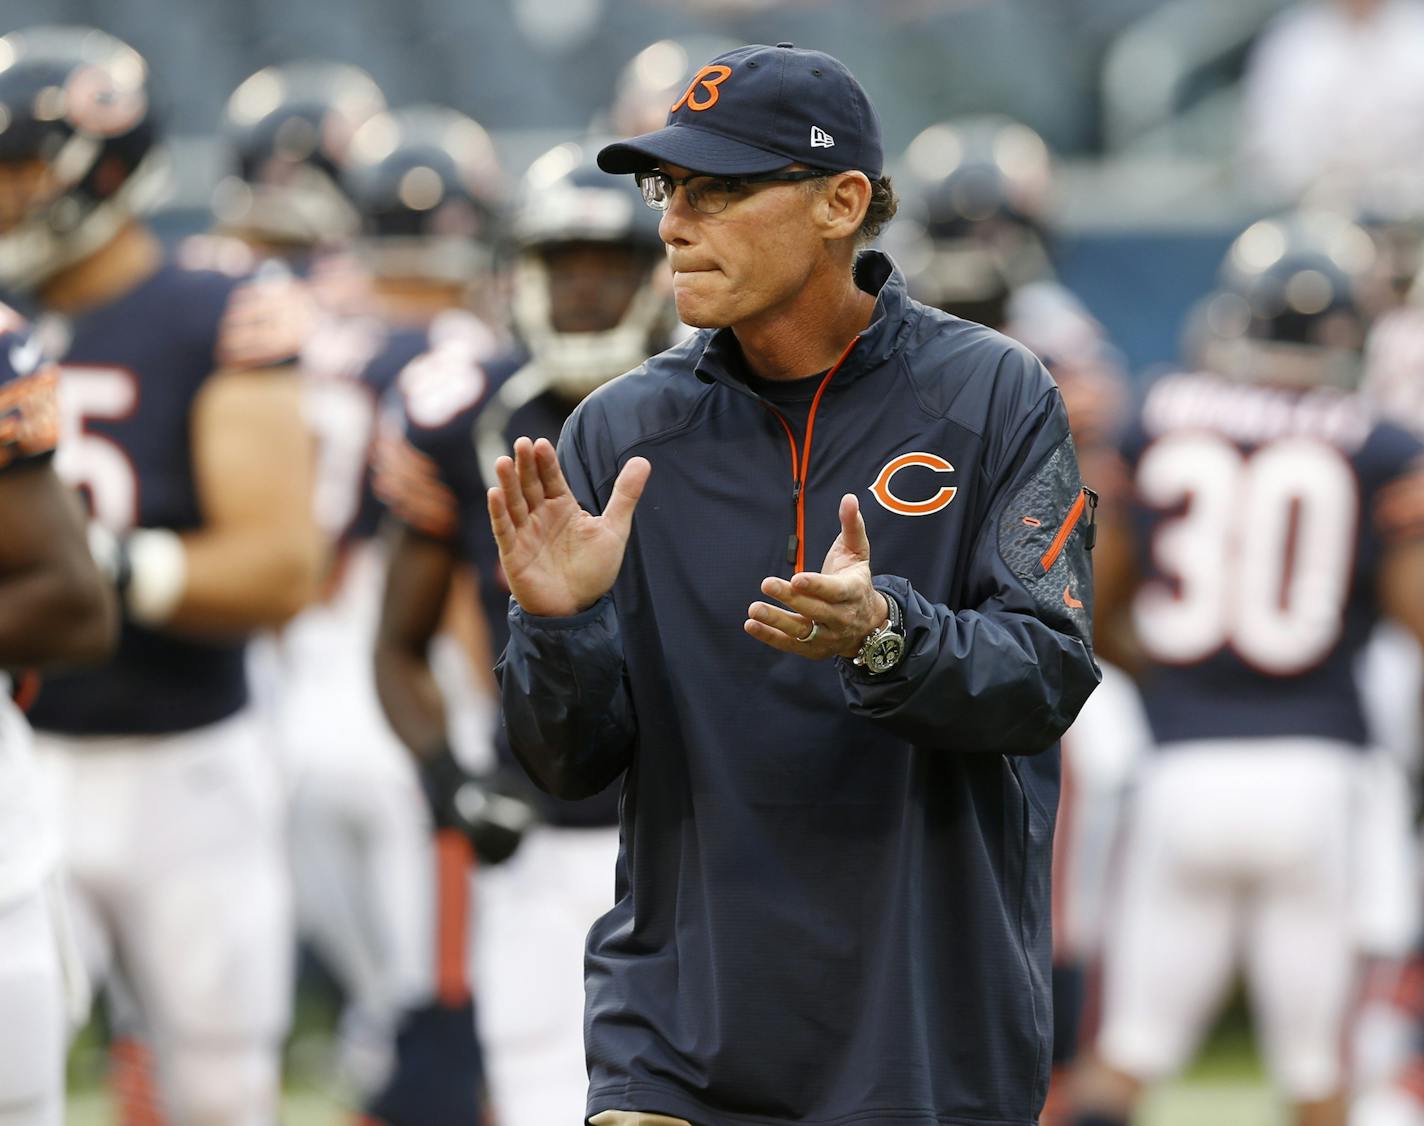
[(92, 463), (1260, 558)]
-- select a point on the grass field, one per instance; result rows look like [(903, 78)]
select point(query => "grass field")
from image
[(1190, 1103), (1225, 1086)]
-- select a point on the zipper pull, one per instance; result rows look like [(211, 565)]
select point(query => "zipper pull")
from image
[(1090, 532), (792, 543)]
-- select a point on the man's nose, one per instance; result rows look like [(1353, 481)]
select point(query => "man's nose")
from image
[(675, 227)]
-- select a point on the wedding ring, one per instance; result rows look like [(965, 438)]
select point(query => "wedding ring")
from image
[(815, 629)]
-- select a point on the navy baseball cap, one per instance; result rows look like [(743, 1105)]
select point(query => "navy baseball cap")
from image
[(758, 109)]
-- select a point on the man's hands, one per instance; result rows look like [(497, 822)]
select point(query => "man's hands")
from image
[(840, 600), (557, 558)]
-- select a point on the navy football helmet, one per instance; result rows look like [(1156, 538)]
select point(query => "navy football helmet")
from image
[(565, 202), (971, 226), (288, 129), (1292, 300), (427, 186), (78, 153)]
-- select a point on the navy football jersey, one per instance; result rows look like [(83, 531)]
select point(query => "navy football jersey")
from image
[(131, 371), (435, 473), (1261, 516)]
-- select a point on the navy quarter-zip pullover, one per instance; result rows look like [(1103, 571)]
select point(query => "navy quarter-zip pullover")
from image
[(831, 902)]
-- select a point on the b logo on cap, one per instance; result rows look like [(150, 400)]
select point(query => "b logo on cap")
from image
[(708, 78)]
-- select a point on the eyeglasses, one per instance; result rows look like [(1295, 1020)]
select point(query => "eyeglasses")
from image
[(710, 194)]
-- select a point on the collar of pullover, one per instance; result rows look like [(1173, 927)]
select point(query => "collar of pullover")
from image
[(722, 362)]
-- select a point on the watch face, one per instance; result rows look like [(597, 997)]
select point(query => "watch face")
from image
[(885, 653)]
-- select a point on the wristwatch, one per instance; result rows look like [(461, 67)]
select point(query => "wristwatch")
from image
[(885, 647)]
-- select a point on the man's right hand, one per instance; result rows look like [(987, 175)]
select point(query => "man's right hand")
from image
[(557, 558)]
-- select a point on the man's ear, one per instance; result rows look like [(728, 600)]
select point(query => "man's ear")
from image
[(846, 199)]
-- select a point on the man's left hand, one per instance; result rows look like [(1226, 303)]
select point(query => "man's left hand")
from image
[(839, 602)]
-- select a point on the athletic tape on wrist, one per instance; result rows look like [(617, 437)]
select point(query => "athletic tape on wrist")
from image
[(159, 575)]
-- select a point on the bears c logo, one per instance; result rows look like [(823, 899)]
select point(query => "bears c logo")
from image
[(888, 499), (707, 79)]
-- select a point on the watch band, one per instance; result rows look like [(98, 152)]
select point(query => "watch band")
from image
[(897, 615)]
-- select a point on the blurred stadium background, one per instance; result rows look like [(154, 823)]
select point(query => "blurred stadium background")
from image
[(1138, 99)]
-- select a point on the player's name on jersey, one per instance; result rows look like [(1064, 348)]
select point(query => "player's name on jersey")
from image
[(1254, 414)]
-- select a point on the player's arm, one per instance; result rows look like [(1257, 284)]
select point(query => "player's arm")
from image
[(55, 608), (422, 587), (1116, 575), (1401, 586), (257, 559), (419, 577), (54, 605), (424, 511), (1399, 519)]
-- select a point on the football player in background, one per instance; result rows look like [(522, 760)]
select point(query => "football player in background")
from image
[(383, 900), (1276, 521), (54, 608), (181, 424), (286, 131), (589, 305)]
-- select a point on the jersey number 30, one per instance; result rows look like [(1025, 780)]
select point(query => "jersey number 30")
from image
[(1260, 558)]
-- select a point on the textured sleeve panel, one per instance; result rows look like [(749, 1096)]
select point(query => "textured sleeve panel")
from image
[(1045, 537)]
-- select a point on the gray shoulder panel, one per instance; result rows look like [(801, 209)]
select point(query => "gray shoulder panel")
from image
[(1045, 535)]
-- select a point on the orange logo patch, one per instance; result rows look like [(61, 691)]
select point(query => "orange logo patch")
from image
[(888, 499), (708, 79)]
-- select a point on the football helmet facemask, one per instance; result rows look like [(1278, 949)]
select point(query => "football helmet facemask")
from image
[(565, 202)]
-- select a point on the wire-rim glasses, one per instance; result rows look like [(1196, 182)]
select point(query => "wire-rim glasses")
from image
[(710, 194)]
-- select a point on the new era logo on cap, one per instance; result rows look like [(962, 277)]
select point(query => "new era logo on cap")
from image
[(820, 139)]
